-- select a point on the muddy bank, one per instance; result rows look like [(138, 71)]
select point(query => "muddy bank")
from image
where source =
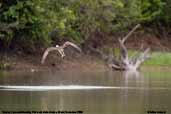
[(53, 62)]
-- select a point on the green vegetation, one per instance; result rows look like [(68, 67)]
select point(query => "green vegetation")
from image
[(4, 65), (30, 24), (159, 58)]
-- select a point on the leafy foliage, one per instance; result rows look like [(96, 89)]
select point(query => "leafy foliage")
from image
[(27, 24)]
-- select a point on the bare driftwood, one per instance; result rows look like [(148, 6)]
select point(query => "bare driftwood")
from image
[(60, 49), (124, 62)]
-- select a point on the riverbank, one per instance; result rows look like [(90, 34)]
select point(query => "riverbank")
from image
[(53, 62), (160, 56), (81, 62)]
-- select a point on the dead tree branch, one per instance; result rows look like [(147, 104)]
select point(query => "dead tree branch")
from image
[(130, 33), (126, 62)]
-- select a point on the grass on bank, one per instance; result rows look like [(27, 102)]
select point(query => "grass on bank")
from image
[(157, 58)]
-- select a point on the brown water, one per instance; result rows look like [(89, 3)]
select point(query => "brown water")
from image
[(94, 92)]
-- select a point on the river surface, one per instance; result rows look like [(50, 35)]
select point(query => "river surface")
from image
[(94, 92)]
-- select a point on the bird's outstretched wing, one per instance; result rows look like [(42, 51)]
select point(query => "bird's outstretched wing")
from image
[(45, 54), (71, 44)]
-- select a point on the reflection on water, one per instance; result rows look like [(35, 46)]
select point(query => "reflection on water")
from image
[(106, 92)]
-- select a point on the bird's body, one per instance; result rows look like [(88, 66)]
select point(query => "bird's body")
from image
[(60, 49)]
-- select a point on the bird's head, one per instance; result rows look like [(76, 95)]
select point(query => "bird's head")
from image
[(57, 45)]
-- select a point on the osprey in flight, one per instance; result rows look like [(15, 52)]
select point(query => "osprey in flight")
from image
[(60, 49)]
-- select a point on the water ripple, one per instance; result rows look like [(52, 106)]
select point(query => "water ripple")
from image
[(70, 87)]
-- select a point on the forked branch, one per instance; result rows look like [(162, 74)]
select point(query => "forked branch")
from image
[(127, 63)]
